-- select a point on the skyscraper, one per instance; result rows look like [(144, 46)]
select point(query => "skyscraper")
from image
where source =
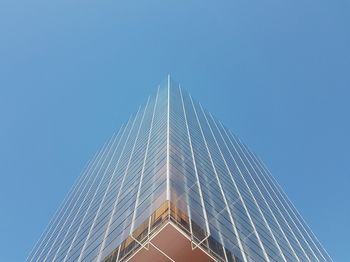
[(174, 184)]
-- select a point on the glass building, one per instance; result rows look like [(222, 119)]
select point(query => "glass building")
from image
[(173, 184)]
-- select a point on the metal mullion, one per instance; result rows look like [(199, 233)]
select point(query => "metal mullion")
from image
[(195, 168), (302, 223), (65, 202), (176, 151), (272, 213), (295, 237), (121, 187), (262, 199), (104, 196), (126, 141), (143, 165), (87, 176), (244, 204), (276, 206), (126, 198), (289, 204), (260, 213), (216, 175), (168, 146), (224, 160), (280, 196), (82, 203)]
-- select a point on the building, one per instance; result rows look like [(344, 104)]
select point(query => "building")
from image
[(173, 184)]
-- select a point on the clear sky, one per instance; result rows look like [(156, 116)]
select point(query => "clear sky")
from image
[(277, 73)]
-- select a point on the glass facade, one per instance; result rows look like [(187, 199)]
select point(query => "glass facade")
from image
[(173, 162)]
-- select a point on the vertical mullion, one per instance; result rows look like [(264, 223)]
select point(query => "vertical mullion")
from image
[(256, 202), (121, 187), (296, 238), (262, 196), (281, 195), (117, 138), (228, 208), (272, 213), (104, 195), (214, 168), (195, 166), (61, 208), (168, 145), (81, 205), (69, 210), (143, 165), (278, 209), (120, 156), (244, 204), (237, 187)]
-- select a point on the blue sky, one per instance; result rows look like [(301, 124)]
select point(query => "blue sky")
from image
[(275, 72)]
